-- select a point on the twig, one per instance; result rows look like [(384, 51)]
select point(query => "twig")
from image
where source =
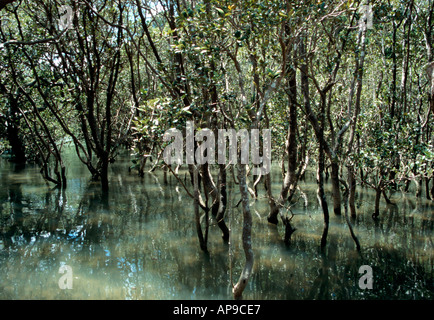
[(201, 204)]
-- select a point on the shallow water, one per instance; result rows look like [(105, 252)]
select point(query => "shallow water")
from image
[(140, 243)]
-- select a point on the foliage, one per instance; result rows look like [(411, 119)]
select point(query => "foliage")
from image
[(331, 89)]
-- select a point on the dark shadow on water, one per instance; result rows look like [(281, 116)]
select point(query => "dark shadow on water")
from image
[(138, 241)]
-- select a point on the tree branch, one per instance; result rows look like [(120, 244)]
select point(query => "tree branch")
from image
[(30, 43)]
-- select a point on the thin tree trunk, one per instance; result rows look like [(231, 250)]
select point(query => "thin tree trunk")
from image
[(360, 59), (247, 235), (378, 192), (321, 197), (291, 177), (377, 202), (406, 59), (319, 132), (202, 242), (104, 173), (352, 190), (221, 203), (274, 208), (336, 188), (394, 71), (432, 188), (353, 235)]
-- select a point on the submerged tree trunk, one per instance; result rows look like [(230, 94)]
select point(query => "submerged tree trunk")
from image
[(353, 235), (247, 235), (274, 208), (354, 114), (428, 197), (336, 188), (378, 193), (202, 239), (218, 196), (221, 203), (104, 173), (377, 203), (289, 230), (432, 188), (291, 176), (321, 197), (318, 126), (352, 191)]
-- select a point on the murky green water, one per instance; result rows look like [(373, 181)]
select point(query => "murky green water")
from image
[(140, 243)]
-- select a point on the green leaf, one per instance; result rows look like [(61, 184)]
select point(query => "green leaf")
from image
[(220, 11)]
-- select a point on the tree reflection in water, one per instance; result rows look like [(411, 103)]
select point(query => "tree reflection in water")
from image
[(139, 242)]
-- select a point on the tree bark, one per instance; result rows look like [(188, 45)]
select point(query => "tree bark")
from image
[(336, 188), (352, 191), (291, 177), (428, 197), (377, 202), (360, 59), (247, 235), (353, 235), (221, 203), (321, 197), (319, 132), (202, 242)]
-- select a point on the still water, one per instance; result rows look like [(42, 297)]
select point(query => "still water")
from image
[(140, 242)]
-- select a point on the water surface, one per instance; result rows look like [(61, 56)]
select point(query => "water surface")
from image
[(139, 242)]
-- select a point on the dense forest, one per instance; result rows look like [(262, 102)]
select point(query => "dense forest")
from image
[(346, 88)]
